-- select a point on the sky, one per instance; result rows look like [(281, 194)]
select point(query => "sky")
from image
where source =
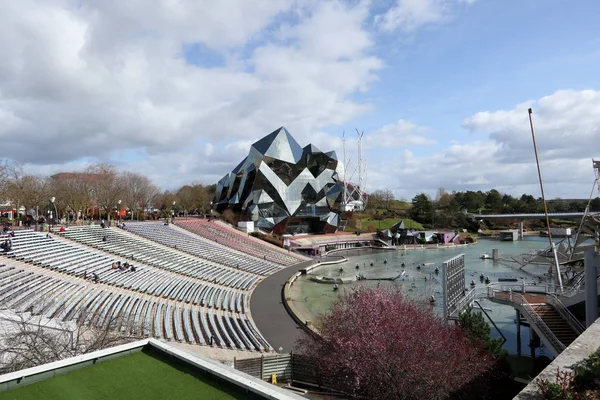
[(178, 90)]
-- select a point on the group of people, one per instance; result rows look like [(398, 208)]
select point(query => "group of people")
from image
[(95, 276), (119, 224), (8, 234), (6, 246), (123, 267)]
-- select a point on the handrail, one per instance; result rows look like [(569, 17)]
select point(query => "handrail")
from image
[(573, 322), (468, 298), (533, 288), (539, 322)]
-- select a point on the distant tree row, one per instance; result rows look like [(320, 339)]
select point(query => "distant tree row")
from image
[(449, 209), (99, 191)]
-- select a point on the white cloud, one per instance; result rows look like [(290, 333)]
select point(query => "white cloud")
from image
[(401, 134), (83, 80), (408, 15), (566, 125)]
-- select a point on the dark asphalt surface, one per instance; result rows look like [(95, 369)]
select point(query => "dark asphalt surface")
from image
[(269, 314)]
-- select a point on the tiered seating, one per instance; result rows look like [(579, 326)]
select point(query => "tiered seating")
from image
[(238, 240), (87, 303), (115, 241), (93, 305), (201, 247), (38, 249)]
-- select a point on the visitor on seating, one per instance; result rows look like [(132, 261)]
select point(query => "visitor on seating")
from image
[(6, 246)]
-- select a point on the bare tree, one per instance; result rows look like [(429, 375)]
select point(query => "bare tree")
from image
[(28, 340), (25, 190), (107, 186), (164, 202), (376, 198), (73, 190), (3, 176), (441, 192), (139, 191), (388, 197), (194, 197)]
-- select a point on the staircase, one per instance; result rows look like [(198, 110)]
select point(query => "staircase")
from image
[(557, 324)]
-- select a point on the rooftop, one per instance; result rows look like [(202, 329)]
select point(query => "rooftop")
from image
[(147, 369)]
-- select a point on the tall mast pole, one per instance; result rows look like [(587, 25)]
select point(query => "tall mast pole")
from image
[(537, 161), (360, 173), (345, 194)]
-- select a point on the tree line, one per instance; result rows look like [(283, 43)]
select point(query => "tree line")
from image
[(452, 209), (98, 191)]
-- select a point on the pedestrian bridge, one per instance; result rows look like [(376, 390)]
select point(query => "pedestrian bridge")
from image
[(560, 215), (523, 217), (541, 307)]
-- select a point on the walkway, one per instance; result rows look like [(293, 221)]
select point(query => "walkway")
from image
[(268, 312), (563, 215), (507, 298)]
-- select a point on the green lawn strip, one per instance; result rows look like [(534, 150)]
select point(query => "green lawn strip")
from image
[(137, 376), (389, 222)]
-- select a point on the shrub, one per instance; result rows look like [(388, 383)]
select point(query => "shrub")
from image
[(376, 344)]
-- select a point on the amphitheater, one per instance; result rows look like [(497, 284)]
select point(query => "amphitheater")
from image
[(192, 283)]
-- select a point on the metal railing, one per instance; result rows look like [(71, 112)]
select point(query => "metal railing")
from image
[(460, 305), (534, 317), (564, 312), (547, 288)]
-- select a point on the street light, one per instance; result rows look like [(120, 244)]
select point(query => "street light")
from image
[(52, 200), (173, 210), (119, 211)]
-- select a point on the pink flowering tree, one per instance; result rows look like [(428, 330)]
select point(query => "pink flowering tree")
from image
[(376, 344)]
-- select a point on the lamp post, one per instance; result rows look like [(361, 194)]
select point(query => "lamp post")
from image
[(119, 212), (52, 200), (173, 211)]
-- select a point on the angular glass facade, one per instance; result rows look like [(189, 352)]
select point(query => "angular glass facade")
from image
[(283, 187)]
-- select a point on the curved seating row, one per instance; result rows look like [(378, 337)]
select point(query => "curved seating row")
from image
[(201, 247), (46, 252), (229, 236), (88, 304), (113, 240)]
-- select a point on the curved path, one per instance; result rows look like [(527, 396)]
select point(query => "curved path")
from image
[(268, 312)]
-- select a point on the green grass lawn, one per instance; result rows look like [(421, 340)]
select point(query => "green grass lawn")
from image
[(388, 222), (137, 376)]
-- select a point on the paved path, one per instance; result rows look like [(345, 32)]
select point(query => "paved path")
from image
[(268, 312)]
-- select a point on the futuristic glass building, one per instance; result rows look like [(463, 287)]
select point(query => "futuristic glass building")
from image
[(283, 187)]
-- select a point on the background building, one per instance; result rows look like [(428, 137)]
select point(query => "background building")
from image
[(283, 187)]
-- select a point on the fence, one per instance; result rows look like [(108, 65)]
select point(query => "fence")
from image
[(265, 366), (287, 367)]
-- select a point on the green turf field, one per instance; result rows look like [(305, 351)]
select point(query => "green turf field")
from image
[(137, 376)]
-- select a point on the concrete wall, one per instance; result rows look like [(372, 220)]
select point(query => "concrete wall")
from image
[(581, 348)]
